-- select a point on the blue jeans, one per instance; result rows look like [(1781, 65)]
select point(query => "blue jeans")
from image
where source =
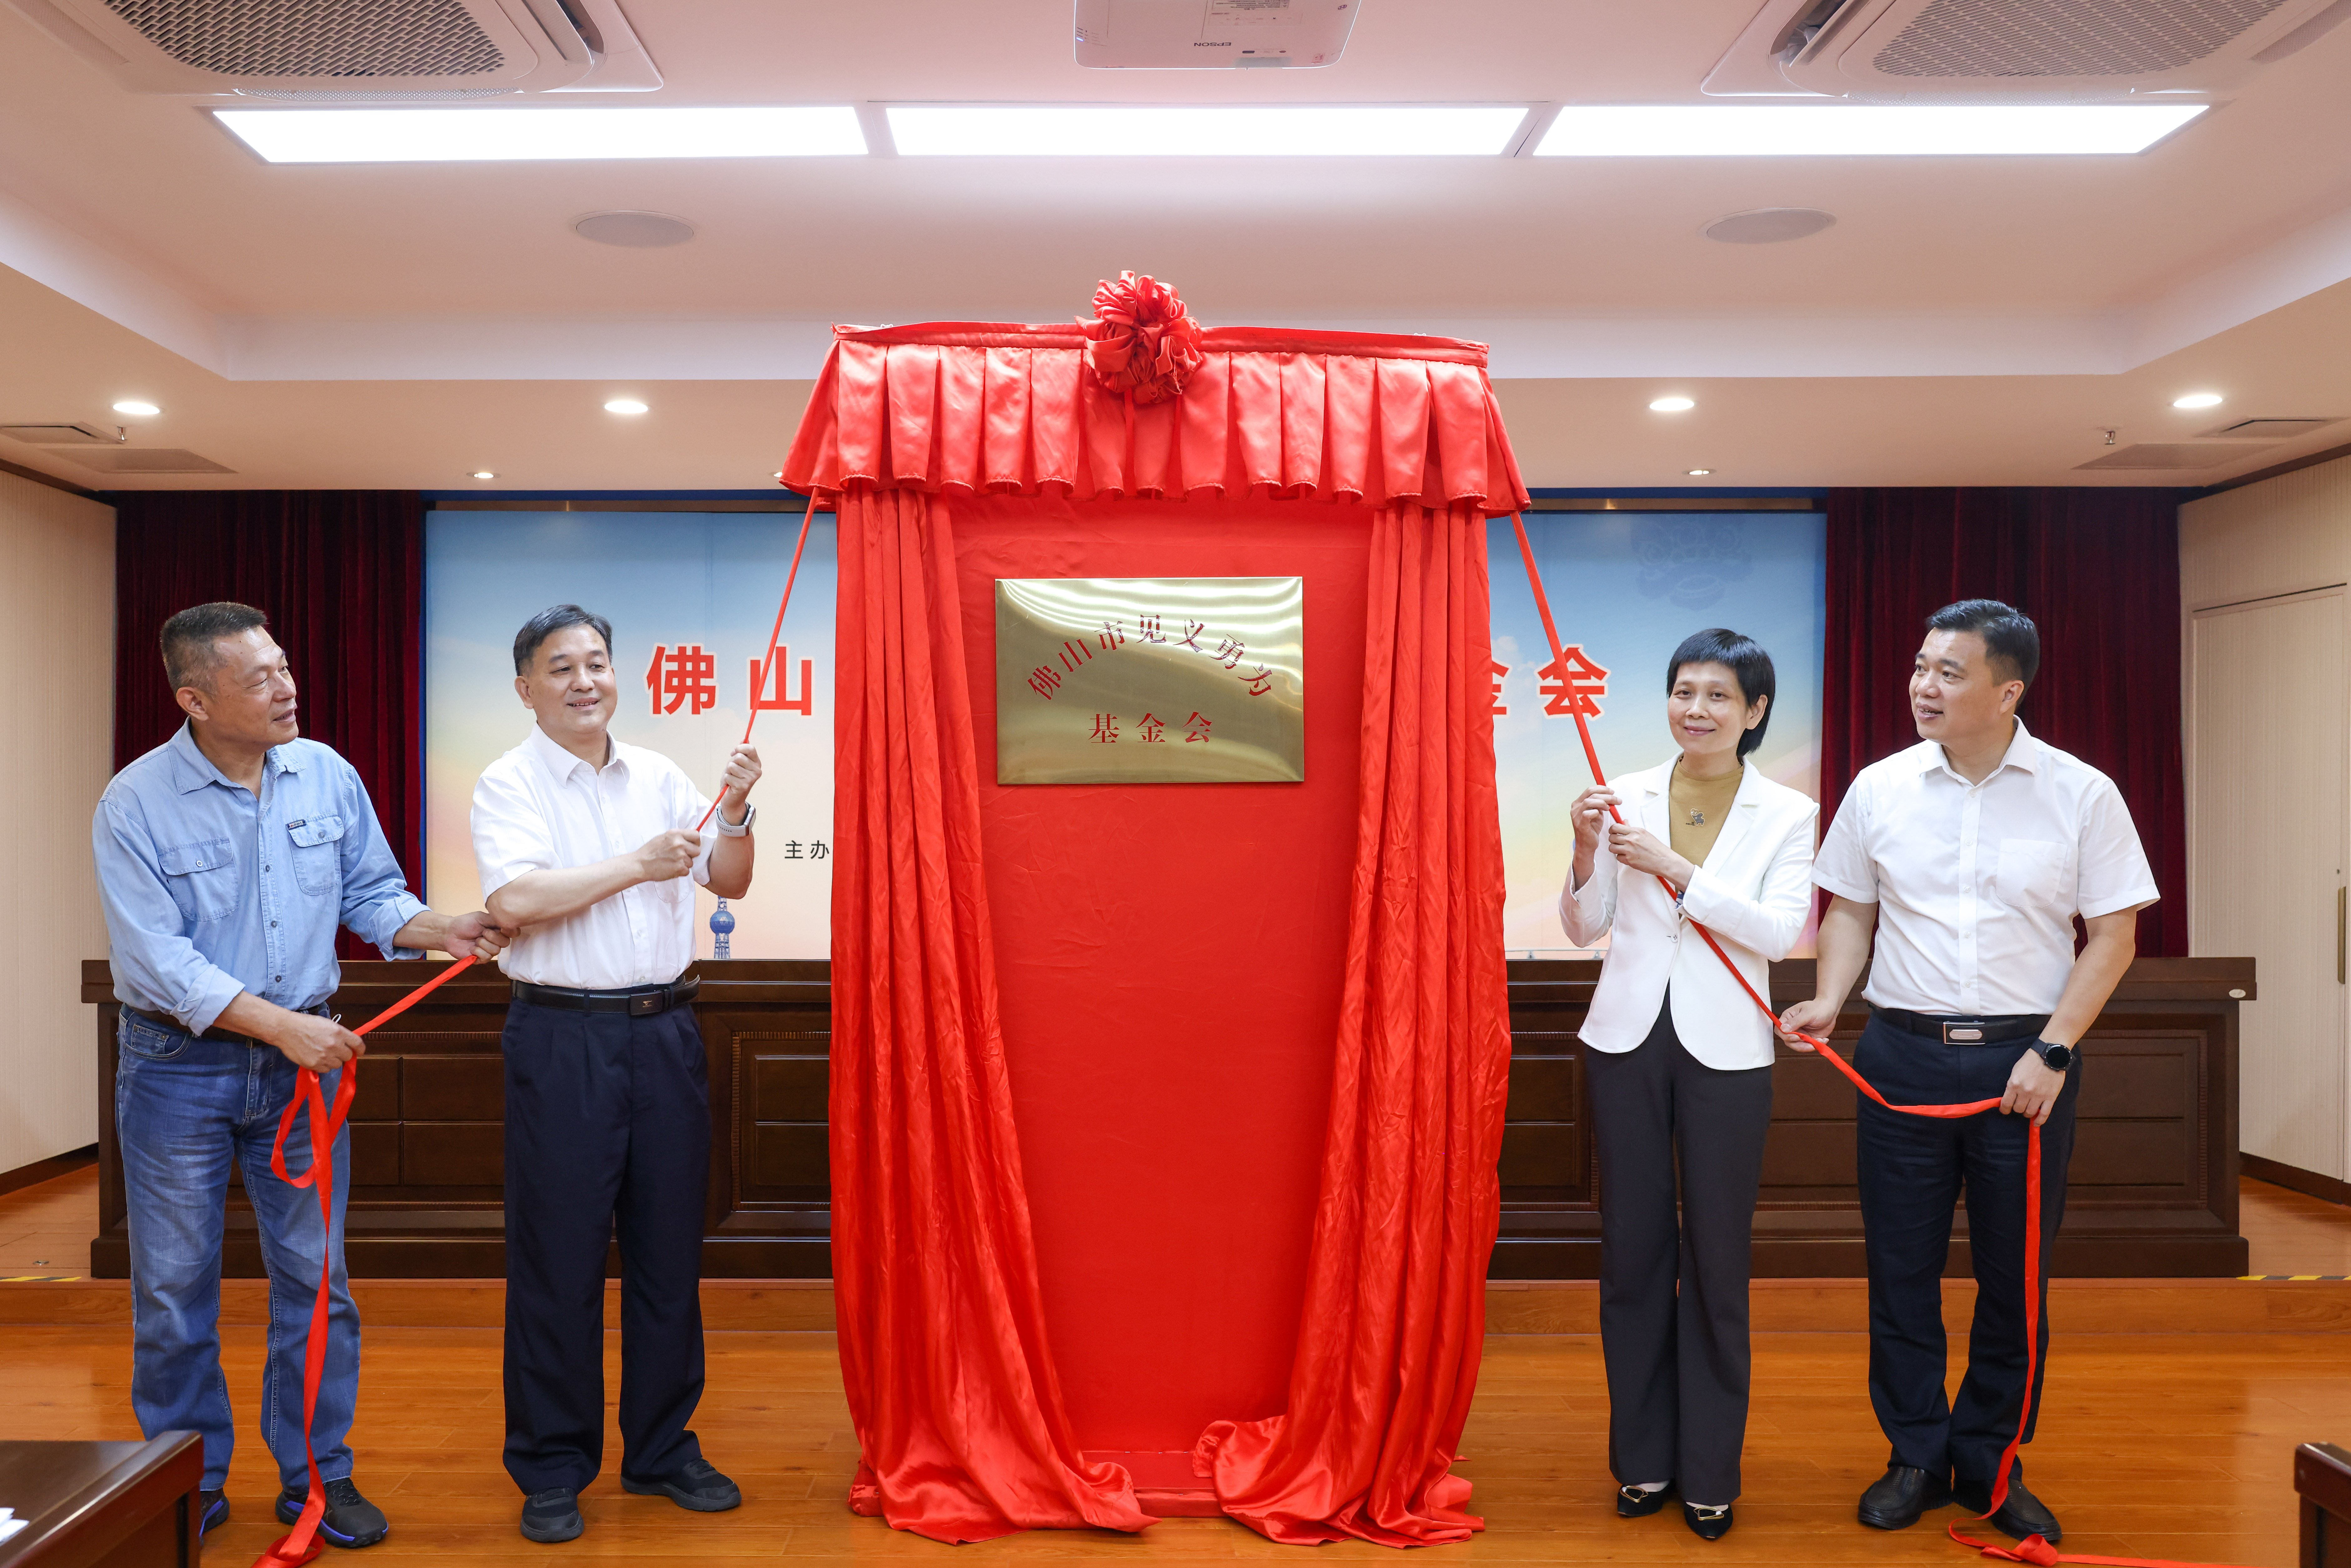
[(183, 1108)]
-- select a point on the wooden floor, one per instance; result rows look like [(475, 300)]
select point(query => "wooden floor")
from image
[(2153, 1444)]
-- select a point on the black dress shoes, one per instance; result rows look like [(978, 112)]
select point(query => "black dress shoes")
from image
[(1632, 1502), (1707, 1523), (2021, 1513), (1896, 1499)]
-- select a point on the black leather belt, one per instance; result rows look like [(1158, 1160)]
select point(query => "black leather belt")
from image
[(637, 1001), (217, 1035), (1966, 1030)]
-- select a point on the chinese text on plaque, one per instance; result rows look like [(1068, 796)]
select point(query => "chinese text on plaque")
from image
[(1150, 680)]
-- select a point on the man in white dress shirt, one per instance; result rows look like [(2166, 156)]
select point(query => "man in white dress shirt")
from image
[(1969, 855), (587, 849)]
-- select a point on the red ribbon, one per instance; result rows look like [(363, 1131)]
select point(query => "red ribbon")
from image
[(301, 1545), (2033, 1549)]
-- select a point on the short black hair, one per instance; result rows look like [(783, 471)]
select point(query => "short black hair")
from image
[(190, 639), (2011, 642), (550, 620), (1747, 660)]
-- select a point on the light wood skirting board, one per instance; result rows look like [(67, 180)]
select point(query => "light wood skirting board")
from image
[(1512, 1307)]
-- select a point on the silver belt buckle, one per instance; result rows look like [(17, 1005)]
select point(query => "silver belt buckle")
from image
[(1967, 1032)]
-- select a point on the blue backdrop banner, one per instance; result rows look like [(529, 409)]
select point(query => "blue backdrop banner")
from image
[(1626, 587), (691, 597)]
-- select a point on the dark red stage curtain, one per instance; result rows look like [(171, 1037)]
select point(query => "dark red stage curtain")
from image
[(2098, 570), (341, 574), (1389, 1340), (959, 1419)]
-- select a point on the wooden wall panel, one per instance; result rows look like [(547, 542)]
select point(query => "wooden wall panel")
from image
[(2154, 1189)]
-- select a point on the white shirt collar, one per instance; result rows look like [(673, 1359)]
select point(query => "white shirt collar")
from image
[(2023, 751), (562, 764)]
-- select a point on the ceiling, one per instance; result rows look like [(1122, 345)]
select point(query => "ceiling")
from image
[(1966, 320)]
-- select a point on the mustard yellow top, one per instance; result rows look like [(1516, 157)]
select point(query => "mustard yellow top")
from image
[(1696, 810)]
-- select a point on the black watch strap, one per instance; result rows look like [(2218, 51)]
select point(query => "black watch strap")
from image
[(2057, 1057)]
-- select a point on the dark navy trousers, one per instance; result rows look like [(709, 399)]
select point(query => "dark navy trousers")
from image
[(1913, 1172), (608, 1131)]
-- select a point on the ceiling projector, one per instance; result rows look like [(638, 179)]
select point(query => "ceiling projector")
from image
[(1211, 35)]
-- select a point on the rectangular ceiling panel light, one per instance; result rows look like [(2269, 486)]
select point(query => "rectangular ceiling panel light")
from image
[(1135, 130), (1845, 130), (516, 135)]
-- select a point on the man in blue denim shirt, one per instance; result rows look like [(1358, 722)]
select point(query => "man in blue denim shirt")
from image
[(226, 857)]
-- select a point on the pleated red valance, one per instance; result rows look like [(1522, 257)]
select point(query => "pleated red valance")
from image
[(985, 408)]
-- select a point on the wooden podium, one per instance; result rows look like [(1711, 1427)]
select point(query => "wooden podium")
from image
[(2153, 1190)]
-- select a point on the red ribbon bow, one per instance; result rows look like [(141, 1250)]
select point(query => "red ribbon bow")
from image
[(1144, 346)]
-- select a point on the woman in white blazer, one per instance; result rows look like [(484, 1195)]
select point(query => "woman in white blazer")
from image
[(1680, 1070)]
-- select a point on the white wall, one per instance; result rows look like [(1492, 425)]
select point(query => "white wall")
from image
[(2267, 833), (57, 712)]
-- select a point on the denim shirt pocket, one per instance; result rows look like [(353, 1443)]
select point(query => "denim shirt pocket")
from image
[(317, 853), (202, 877), (140, 1038)]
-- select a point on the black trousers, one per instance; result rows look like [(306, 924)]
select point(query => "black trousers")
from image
[(1913, 1170), (608, 1124), (1673, 1286)]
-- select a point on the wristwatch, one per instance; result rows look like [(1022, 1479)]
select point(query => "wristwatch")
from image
[(2057, 1057), (727, 830)]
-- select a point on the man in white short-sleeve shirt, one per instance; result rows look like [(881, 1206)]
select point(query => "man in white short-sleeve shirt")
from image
[(588, 848), (1969, 855)]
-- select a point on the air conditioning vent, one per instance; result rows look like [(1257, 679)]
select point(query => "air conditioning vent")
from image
[(304, 38), (2064, 37), (2268, 429), (62, 434), (2173, 456), (2069, 51), (144, 460), (356, 50)]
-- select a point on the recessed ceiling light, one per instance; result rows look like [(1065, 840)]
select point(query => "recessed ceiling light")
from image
[(1789, 131), (133, 405), (484, 473), (2197, 400), (1672, 404), (1768, 225), (493, 135), (1697, 472), (635, 230), (1229, 131), (624, 405)]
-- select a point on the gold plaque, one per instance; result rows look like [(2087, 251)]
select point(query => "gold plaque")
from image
[(1150, 680)]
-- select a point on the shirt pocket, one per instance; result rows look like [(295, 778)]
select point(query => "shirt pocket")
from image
[(317, 853), (2032, 871), (202, 877)]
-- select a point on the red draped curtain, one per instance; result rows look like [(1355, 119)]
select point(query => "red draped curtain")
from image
[(341, 574), (1396, 1299), (2097, 570), (951, 1381)]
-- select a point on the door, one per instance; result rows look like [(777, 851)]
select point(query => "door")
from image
[(2266, 762)]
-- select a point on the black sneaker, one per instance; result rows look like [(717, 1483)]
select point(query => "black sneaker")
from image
[(215, 1512), (349, 1520), (697, 1485), (552, 1515)]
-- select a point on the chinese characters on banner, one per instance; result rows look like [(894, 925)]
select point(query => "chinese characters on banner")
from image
[(1150, 680), (1572, 690), (686, 673)]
